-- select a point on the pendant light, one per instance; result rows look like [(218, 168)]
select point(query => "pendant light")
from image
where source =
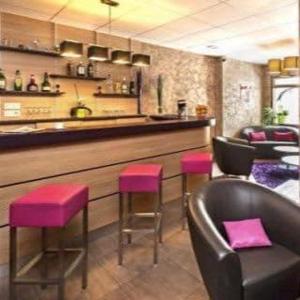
[(120, 57), (98, 53), (274, 66), (70, 48), (291, 63), (141, 60)]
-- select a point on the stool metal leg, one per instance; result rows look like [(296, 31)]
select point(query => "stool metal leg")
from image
[(161, 213), (61, 268), (12, 262), (85, 246), (129, 235), (44, 271), (184, 199), (156, 229), (121, 222)]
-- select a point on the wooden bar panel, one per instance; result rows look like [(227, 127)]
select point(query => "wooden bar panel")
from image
[(44, 162)]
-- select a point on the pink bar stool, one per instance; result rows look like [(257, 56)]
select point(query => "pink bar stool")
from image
[(193, 163), (46, 207), (140, 178)]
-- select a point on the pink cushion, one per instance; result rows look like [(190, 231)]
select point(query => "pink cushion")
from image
[(140, 178), (200, 163), (284, 136), (246, 234), (51, 205), (257, 136)]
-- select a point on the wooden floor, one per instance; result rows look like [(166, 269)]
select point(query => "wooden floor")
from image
[(176, 276)]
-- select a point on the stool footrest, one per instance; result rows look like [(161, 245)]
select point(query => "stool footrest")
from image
[(146, 230), (19, 279)]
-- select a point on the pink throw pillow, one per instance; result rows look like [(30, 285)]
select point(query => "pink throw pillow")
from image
[(246, 234), (257, 136), (284, 136)]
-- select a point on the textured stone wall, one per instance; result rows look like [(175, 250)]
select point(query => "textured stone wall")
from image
[(244, 94)]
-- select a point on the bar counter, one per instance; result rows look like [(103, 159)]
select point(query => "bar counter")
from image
[(94, 156)]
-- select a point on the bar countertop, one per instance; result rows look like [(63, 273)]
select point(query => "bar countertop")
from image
[(10, 141)]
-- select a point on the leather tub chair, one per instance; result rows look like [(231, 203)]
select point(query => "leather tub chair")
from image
[(233, 156), (269, 273)]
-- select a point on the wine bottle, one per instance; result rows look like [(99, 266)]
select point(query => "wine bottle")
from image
[(18, 82), (46, 86), (132, 88), (2, 81), (80, 70), (90, 70), (32, 86), (124, 86), (69, 69)]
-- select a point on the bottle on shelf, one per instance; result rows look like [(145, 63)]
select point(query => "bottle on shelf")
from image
[(109, 88), (90, 70), (132, 88), (80, 70), (69, 68), (118, 87), (2, 81), (46, 86), (124, 86), (18, 82), (32, 86)]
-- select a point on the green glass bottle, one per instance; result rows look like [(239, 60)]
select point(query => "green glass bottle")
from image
[(2, 81), (18, 82)]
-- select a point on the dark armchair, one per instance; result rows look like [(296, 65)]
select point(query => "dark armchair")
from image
[(233, 156), (271, 273)]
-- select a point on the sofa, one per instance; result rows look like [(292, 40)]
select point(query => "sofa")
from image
[(233, 156), (266, 273), (265, 149)]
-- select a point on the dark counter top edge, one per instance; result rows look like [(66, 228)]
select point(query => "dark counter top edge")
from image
[(51, 120), (56, 137)]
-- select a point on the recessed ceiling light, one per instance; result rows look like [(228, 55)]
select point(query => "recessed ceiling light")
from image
[(212, 47)]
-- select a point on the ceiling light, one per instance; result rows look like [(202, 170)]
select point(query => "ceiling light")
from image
[(120, 57), (141, 60), (98, 53), (110, 2), (274, 66), (291, 63), (70, 48)]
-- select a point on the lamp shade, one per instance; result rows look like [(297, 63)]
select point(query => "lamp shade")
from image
[(98, 53), (291, 63), (120, 57), (141, 60), (71, 48), (274, 66)]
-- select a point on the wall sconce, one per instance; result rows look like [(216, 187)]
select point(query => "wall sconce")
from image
[(98, 53), (120, 57), (71, 48), (141, 60), (291, 63), (274, 66)]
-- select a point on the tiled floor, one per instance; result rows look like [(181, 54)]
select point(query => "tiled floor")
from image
[(175, 277)]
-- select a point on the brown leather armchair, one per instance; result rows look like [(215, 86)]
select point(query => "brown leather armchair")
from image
[(270, 273), (233, 156)]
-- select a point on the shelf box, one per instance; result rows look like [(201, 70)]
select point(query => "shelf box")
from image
[(30, 94), (76, 77), (98, 95)]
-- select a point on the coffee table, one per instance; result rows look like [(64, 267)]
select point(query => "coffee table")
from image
[(291, 160), (287, 150)]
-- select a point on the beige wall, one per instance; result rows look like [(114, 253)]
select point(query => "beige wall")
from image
[(240, 109)]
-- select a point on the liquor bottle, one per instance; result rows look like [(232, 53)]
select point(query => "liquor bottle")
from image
[(124, 86), (2, 81), (109, 88), (46, 86), (90, 70), (69, 69), (132, 88), (32, 86), (80, 70), (18, 82)]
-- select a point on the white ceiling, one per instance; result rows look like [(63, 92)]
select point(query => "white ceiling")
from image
[(253, 30)]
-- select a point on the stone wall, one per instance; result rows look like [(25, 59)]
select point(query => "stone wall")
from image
[(244, 94)]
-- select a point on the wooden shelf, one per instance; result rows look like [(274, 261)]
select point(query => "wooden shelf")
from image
[(97, 95), (77, 77), (30, 51), (30, 94)]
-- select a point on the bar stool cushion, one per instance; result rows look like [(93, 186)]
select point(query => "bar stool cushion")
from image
[(199, 162), (51, 205), (140, 178)]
